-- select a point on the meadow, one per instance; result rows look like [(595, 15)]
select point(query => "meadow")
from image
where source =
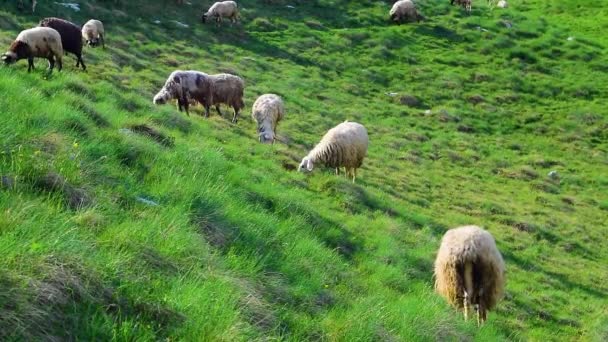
[(122, 220)]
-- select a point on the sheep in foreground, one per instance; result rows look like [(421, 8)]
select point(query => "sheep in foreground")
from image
[(403, 11), (93, 33), (342, 146), (184, 86), (267, 111), (222, 9), (71, 39), (228, 89), (463, 3), (469, 270), (42, 42)]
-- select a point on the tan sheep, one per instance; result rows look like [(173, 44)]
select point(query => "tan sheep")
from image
[(463, 3), (228, 89), (222, 9), (185, 86), (403, 11), (41, 42), (342, 146), (93, 33), (267, 111), (469, 270)]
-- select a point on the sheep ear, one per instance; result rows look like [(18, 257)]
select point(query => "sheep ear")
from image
[(309, 165), (176, 79), (4, 57)]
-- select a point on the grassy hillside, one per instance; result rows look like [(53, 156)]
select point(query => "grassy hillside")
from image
[(127, 221)]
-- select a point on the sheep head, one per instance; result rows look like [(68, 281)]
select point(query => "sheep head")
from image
[(9, 58), (306, 165)]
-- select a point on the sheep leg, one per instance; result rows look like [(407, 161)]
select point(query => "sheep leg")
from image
[(217, 107), (186, 104), (84, 68), (354, 175), (103, 41), (59, 63), (30, 64), (468, 288), (51, 63), (235, 118)]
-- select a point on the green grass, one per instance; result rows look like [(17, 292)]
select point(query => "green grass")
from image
[(204, 234)]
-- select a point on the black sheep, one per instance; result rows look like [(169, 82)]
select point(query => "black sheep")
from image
[(71, 37)]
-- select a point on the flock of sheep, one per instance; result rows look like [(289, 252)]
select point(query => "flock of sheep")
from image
[(469, 269)]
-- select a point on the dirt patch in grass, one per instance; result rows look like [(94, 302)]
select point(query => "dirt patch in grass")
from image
[(74, 197), (153, 134)]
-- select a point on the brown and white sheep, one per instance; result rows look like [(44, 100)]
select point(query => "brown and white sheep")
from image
[(463, 3), (267, 111), (71, 39), (403, 11), (222, 9), (93, 33), (342, 146), (41, 42), (184, 86), (228, 89), (469, 270)]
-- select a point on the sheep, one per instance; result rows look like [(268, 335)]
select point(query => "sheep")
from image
[(463, 3), (70, 37), (20, 5), (93, 33), (267, 111), (502, 4), (219, 10), (42, 42), (404, 10), (469, 270), (228, 89), (184, 86), (342, 146)]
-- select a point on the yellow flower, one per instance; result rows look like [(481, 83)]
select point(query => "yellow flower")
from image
[(75, 144)]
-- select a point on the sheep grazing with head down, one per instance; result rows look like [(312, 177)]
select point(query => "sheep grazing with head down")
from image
[(42, 42), (93, 33), (466, 4), (222, 9), (403, 11), (342, 146), (469, 270), (185, 86), (70, 37), (228, 89), (267, 111)]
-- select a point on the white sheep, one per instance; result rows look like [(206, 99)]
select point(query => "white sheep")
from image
[(184, 86), (502, 4), (404, 10), (42, 42), (93, 33), (342, 146), (469, 270), (267, 111), (222, 9)]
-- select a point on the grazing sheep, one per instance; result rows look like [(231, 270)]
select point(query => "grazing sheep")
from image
[(42, 42), (342, 146), (34, 3), (184, 86), (463, 3), (222, 9), (469, 270), (71, 39), (267, 111), (228, 89), (502, 4), (93, 33), (404, 10)]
